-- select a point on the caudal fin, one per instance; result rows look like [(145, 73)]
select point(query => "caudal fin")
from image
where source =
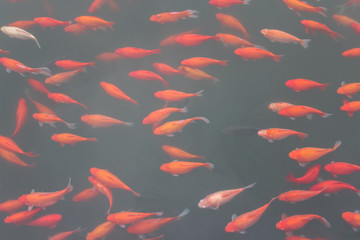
[(204, 119), (111, 25), (223, 62), (30, 154), (209, 166), (92, 139), (136, 194), (324, 86), (134, 101), (199, 93), (156, 51), (325, 222), (246, 2), (183, 214), (290, 178), (192, 13), (277, 57), (71, 125), (305, 43), (326, 115), (302, 135), (334, 35), (321, 10), (44, 71), (337, 144)]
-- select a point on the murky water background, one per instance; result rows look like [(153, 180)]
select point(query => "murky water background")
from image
[(134, 153)]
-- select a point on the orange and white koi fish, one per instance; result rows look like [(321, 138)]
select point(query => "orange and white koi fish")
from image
[(151, 225), (272, 134), (86, 195), (76, 28), (343, 20), (299, 6), (13, 158), (232, 40), (8, 144), (45, 199), (62, 98), (254, 53), (21, 217), (71, 65), (108, 57), (275, 35), (314, 26), (98, 120), (167, 17), (241, 223), (348, 89), (132, 52), (181, 167), (301, 84), (115, 92), (310, 175), (45, 22), (173, 95), (60, 78), (21, 116), (172, 127), (177, 153), (289, 224), (110, 180), (11, 206), (298, 195), (166, 69), (94, 22), (101, 231), (148, 76), (332, 186), (352, 218), (231, 22), (16, 66), (215, 200), (277, 106), (201, 62), (38, 86), (300, 111), (196, 74), (350, 107), (125, 217), (15, 32), (169, 41), (308, 154), (69, 138), (48, 221), (51, 119), (341, 168), (101, 188), (161, 114), (26, 25), (64, 235), (227, 3), (351, 53), (190, 40)]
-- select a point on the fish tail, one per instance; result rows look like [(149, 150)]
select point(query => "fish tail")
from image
[(246, 2), (92, 139), (324, 86), (290, 178), (302, 135), (209, 166), (128, 123), (202, 118), (200, 157), (37, 43), (44, 71), (325, 115), (337, 144), (30, 154), (333, 35), (67, 23), (83, 105), (166, 84), (111, 25), (135, 193), (184, 109), (192, 13), (93, 64), (321, 10), (199, 93), (71, 125), (183, 214), (277, 57), (223, 62), (216, 38), (69, 186), (156, 51), (325, 222), (250, 186), (134, 101), (159, 213), (305, 43)]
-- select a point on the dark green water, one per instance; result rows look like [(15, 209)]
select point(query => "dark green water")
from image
[(134, 153)]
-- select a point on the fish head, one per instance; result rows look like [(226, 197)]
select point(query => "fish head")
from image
[(203, 203), (22, 199), (295, 154), (290, 84), (54, 138), (281, 225), (4, 29), (272, 107), (231, 227), (164, 167), (328, 167), (348, 216), (262, 133), (154, 18), (264, 31)]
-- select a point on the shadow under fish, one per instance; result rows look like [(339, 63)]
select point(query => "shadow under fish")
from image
[(240, 131)]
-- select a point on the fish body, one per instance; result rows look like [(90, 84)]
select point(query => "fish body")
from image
[(115, 92), (343, 20), (126, 217), (103, 189), (254, 53), (69, 138), (301, 84), (51, 119), (310, 175), (341, 168), (132, 52), (169, 41), (8, 144), (299, 6), (201, 62), (16, 66), (272, 134), (13, 158), (98, 120), (351, 53), (232, 40), (352, 218), (94, 22), (161, 114), (148, 76), (301, 111), (231, 22), (73, 65), (276, 35), (26, 24), (190, 40), (76, 28), (21, 116), (167, 17), (296, 222), (21, 217), (228, 3), (196, 74), (63, 98), (101, 231), (333, 186), (173, 95), (172, 127), (38, 86), (348, 89), (177, 153), (64, 235), (86, 195), (181, 167), (166, 69), (350, 107), (277, 106), (11, 205), (45, 22), (298, 195), (108, 57), (60, 78), (48, 221), (314, 26)]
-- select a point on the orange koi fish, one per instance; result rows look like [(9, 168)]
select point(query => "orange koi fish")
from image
[(76, 28), (295, 222), (101, 188), (51, 119), (125, 217), (151, 225), (177, 153), (254, 53), (11, 206), (310, 175), (351, 53), (45, 199), (227, 3), (71, 65), (4, 52), (96, 5), (98, 120), (201, 62), (231, 22), (232, 40), (38, 86), (42, 108), (101, 231), (299, 6), (60, 78), (62, 98), (132, 52), (167, 17), (171, 39), (241, 223), (13, 158), (69, 138), (161, 114), (341, 168), (189, 40), (333, 186), (148, 76), (165, 69), (352, 218), (196, 74), (172, 127), (21, 217), (48, 221), (181, 167), (26, 25), (277, 106), (8, 144), (272, 134), (16, 66), (110, 180), (115, 92), (348, 89), (300, 111), (108, 57), (275, 35), (21, 116), (308, 154), (298, 195), (86, 195), (350, 107), (215, 200), (45, 22), (94, 22), (316, 26), (301, 84), (343, 20), (173, 95), (64, 235)]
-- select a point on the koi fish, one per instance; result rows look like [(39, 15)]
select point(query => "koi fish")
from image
[(227, 3), (215, 200), (167, 17), (69, 138), (171, 39), (310, 175), (101, 231), (98, 120), (343, 20), (172, 127), (201, 62), (295, 222), (196, 74), (299, 6), (350, 107), (62, 98), (21, 217), (25, 25), (71, 65), (11, 206), (348, 89), (301, 84), (173, 95), (101, 188), (38, 86), (231, 22), (165, 69), (115, 92), (16, 66), (333, 186), (190, 40), (181, 167), (13, 158), (8, 144), (308, 154), (15, 32), (42, 108), (254, 53), (96, 5), (341, 168), (275, 35), (94, 22), (108, 57), (355, 27), (132, 52), (60, 78), (300, 111), (64, 235), (298, 195), (352, 218), (125, 217), (48, 221), (232, 40), (277, 106), (21, 116), (86, 195), (351, 53), (272, 134), (177, 153), (45, 22), (76, 28), (147, 76), (51, 119), (161, 114), (316, 26)]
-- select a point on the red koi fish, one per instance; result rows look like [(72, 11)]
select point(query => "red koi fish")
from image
[(95, 22), (45, 22), (16, 66), (62, 98), (26, 25), (352, 218), (254, 53), (21, 116), (296, 222), (13, 158), (343, 20), (231, 22), (316, 26), (51, 119), (132, 52), (108, 57), (72, 65), (301, 84), (86, 195), (11, 206), (125, 217), (332, 186), (38, 86), (8, 144), (308, 154), (350, 107), (98, 120), (298, 195), (166, 69), (190, 40), (64, 235), (341, 168), (169, 41), (277, 106), (272, 134), (355, 27), (161, 114), (348, 89), (300, 111), (21, 217), (201, 62), (69, 138), (299, 6), (167, 17), (241, 223), (227, 3), (181, 167), (48, 221), (148, 76), (177, 153), (45, 199), (351, 53), (173, 95), (310, 175), (115, 92), (76, 28), (110, 180), (172, 127), (215, 200), (101, 188), (101, 231), (151, 225), (60, 78), (232, 40)]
